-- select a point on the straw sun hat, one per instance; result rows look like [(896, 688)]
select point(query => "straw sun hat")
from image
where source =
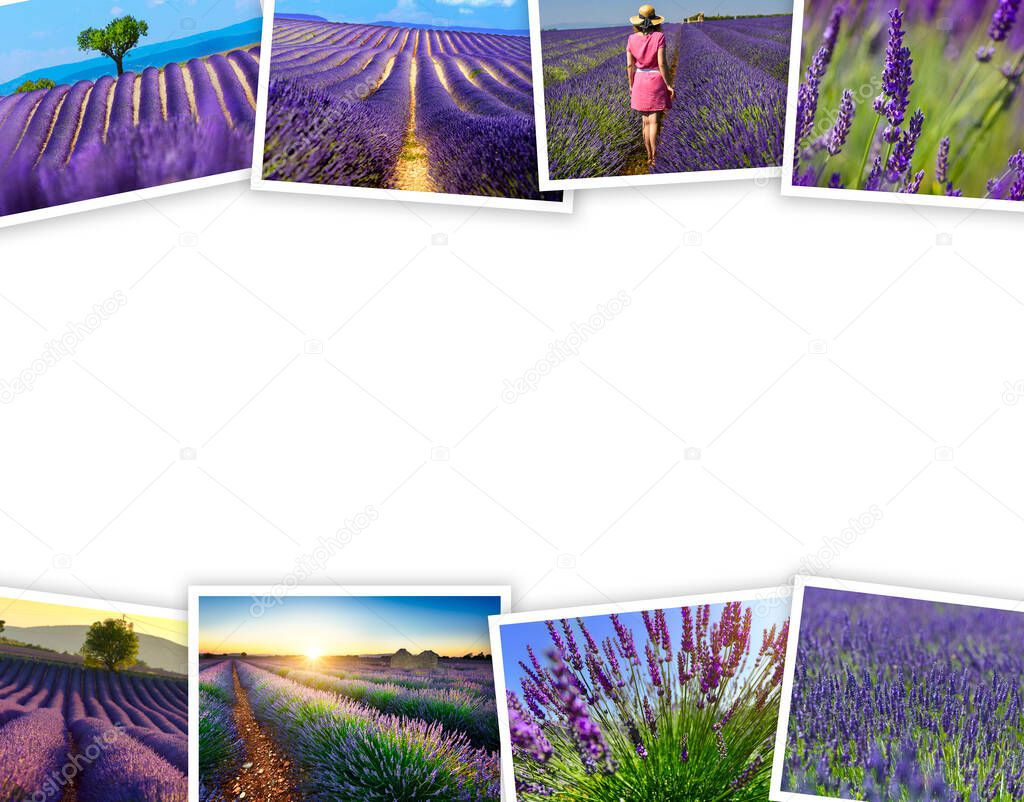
[(646, 12)]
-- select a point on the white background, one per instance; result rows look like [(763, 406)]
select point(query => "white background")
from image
[(826, 358)]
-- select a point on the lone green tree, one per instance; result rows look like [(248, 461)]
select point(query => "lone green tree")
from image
[(32, 86), (2, 625), (114, 41), (111, 644)]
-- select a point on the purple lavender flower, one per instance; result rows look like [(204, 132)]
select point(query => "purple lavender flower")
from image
[(1011, 71), (723, 750), (555, 637), (1003, 19), (587, 735), (897, 79), (653, 669), (613, 661), (744, 776), (527, 736), (914, 184), (942, 161), (836, 181), (831, 34), (684, 753), (650, 625), (874, 180), (638, 742), (835, 139), (666, 641), (574, 652), (984, 54), (687, 644), (591, 643), (903, 153), (650, 718), (807, 95), (598, 676), (625, 640)]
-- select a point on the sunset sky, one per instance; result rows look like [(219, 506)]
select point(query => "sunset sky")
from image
[(20, 613), (337, 625)]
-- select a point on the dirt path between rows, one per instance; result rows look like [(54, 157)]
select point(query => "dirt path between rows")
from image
[(636, 164), (266, 775), (413, 169)]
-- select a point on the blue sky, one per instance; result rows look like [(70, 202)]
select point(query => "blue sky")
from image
[(332, 625), (515, 637), (42, 33), (595, 13), (507, 14)]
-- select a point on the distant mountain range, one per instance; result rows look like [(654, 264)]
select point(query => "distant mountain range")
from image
[(309, 17), (153, 651), (154, 55)]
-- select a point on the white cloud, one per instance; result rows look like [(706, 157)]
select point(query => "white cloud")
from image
[(116, 11), (464, 10), (479, 3), (11, 2)]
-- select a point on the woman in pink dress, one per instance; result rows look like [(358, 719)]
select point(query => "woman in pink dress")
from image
[(650, 93)]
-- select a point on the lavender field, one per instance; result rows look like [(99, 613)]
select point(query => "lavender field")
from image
[(427, 110), (91, 735), (901, 699), (728, 113), (348, 730), (914, 97), (113, 135), (666, 705)]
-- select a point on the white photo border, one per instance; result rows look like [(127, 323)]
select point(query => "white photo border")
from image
[(789, 189), (774, 595), (197, 592), (800, 583), (764, 174), (259, 183)]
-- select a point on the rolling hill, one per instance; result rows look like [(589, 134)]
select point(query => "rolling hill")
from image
[(154, 651)]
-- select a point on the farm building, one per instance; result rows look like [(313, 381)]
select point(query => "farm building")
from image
[(403, 659)]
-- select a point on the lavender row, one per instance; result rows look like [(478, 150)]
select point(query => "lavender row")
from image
[(33, 749), (455, 710), (728, 113), (350, 753), (127, 700), (220, 744), (123, 769), (590, 128), (471, 154), (81, 142)]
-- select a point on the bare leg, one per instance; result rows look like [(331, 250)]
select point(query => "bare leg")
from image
[(648, 139), (655, 127)]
